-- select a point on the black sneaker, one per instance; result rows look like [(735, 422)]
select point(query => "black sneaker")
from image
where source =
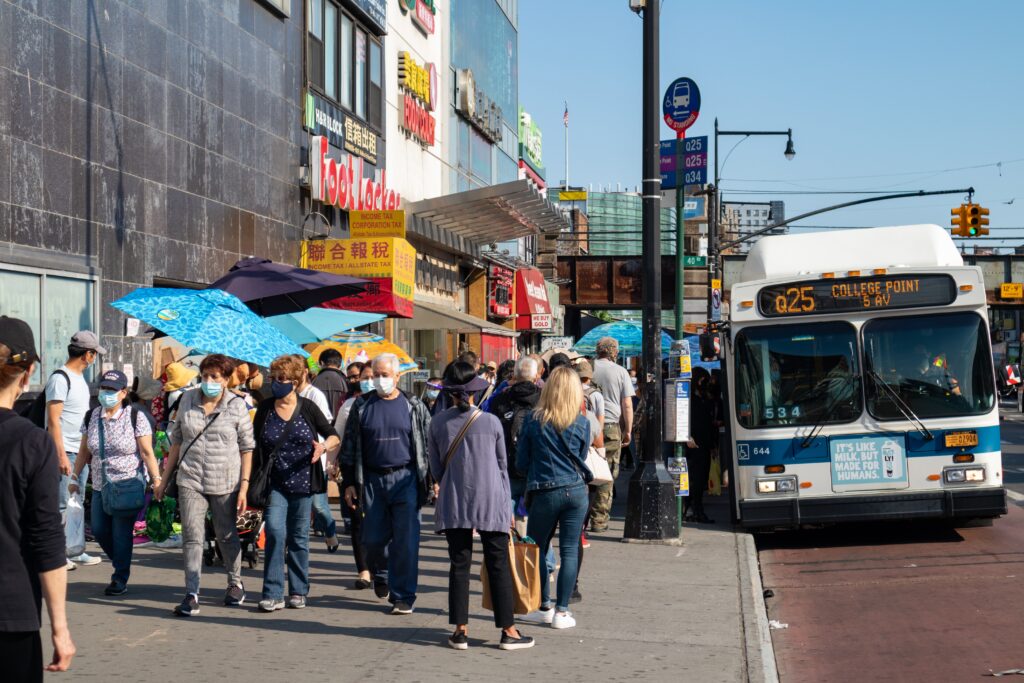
[(458, 641), (401, 608), (234, 596), (576, 596), (381, 590), (189, 607), (115, 588), (510, 643)]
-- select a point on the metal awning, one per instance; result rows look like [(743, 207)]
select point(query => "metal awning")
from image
[(437, 317), (492, 214)]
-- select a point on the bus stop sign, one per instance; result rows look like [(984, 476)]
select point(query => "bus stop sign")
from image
[(681, 106)]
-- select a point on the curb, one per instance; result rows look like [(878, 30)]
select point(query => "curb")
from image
[(760, 654)]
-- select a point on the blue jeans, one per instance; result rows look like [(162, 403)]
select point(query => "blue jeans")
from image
[(116, 535), (565, 507), (286, 520), (323, 520), (391, 532)]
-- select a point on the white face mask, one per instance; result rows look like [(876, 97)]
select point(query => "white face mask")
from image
[(384, 385)]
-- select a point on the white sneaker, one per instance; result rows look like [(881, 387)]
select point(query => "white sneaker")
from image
[(563, 620), (71, 566), (541, 616), (86, 560)]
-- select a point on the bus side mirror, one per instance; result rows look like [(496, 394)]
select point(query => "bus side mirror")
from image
[(710, 347)]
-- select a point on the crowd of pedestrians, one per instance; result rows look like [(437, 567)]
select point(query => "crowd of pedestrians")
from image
[(500, 450)]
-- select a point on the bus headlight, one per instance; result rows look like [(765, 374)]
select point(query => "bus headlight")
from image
[(777, 485), (963, 475)]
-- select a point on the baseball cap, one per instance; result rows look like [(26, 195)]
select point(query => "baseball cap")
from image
[(84, 339), (492, 365), (16, 335), (114, 380), (584, 369)]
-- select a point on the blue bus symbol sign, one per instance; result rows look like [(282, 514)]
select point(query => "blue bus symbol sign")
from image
[(682, 104)]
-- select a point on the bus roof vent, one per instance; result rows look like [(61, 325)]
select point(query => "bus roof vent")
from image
[(910, 246)]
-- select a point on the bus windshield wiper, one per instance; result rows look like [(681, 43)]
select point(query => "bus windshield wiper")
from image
[(903, 407), (829, 408)]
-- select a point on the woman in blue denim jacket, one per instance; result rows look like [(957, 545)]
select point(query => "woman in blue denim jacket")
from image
[(552, 450)]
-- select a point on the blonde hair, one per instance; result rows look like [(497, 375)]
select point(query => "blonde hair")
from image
[(561, 399)]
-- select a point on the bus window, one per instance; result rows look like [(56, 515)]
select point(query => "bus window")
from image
[(938, 364), (797, 375)]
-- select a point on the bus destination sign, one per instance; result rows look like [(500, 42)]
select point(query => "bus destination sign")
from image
[(885, 292)]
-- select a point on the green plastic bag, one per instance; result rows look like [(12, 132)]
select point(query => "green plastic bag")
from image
[(160, 519)]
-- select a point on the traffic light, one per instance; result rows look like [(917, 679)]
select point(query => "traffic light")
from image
[(959, 220), (976, 220), (982, 221)]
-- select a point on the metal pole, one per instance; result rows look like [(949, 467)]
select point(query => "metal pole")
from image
[(650, 507), (713, 217), (680, 330), (566, 146)]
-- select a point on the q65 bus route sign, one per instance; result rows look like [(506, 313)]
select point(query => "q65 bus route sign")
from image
[(856, 294)]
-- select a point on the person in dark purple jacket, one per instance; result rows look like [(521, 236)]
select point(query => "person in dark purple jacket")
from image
[(32, 548), (473, 493)]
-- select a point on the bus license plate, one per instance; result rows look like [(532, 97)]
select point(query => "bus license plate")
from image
[(961, 439)]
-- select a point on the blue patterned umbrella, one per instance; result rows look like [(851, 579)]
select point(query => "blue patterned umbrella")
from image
[(628, 334), (210, 320)]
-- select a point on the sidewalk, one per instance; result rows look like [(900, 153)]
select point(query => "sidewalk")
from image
[(650, 612)]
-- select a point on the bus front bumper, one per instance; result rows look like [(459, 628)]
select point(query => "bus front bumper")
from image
[(949, 504)]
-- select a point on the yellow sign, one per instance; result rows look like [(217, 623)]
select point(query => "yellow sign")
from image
[(572, 196), (961, 439), (385, 257), (367, 224), (684, 364), (716, 284), (414, 78), (1011, 290)]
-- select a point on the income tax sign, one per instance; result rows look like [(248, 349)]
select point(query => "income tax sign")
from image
[(681, 105)]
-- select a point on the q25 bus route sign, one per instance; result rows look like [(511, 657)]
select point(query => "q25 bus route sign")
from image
[(856, 294), (681, 105)]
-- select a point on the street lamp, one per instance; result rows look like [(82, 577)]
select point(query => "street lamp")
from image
[(717, 212)]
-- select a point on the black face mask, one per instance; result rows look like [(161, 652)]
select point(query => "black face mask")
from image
[(353, 387)]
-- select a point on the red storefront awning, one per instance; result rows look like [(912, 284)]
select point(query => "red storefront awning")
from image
[(533, 310)]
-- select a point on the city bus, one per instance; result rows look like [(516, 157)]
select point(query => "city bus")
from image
[(860, 381)]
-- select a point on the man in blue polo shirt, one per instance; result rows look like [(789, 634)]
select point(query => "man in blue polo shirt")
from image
[(384, 465)]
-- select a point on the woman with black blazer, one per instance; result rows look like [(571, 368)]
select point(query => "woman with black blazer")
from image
[(288, 452)]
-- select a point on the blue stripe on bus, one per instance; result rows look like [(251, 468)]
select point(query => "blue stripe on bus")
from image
[(757, 452)]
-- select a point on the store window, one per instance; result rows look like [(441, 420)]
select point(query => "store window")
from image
[(345, 62), (55, 305)]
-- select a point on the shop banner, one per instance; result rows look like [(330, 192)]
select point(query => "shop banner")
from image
[(388, 262), (373, 224), (532, 305)]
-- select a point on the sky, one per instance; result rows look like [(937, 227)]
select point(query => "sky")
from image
[(882, 96)]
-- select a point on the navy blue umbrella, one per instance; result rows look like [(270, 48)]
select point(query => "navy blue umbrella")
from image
[(270, 288)]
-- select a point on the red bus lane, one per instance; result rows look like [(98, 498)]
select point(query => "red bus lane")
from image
[(896, 601)]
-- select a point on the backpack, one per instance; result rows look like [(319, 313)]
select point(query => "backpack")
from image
[(511, 416), (35, 411), (588, 391)]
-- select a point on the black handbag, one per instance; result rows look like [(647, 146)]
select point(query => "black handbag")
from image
[(258, 494)]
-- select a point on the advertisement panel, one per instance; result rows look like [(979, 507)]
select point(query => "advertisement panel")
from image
[(532, 305), (388, 262)]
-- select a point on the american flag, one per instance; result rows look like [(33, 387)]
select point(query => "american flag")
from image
[(565, 116)]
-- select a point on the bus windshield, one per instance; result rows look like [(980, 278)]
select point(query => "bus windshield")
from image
[(938, 364), (804, 374)]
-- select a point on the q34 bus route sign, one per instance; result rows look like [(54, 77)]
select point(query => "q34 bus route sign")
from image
[(681, 106)]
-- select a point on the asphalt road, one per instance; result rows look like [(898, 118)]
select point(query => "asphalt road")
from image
[(901, 601)]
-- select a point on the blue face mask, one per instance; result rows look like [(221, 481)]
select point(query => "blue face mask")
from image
[(109, 399), (432, 394), (281, 389), (366, 385), (211, 389)]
